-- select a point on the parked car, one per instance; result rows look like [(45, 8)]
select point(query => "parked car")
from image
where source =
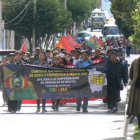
[(86, 34)]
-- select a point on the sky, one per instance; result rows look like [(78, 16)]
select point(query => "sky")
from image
[(106, 4)]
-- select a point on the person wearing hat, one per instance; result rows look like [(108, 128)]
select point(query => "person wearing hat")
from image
[(19, 61), (97, 57), (35, 57), (12, 104), (48, 57), (62, 59), (116, 73)]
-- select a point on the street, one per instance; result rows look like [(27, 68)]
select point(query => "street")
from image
[(66, 124)]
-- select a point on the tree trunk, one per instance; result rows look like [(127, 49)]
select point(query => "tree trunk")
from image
[(54, 41), (17, 41), (30, 45), (46, 41)]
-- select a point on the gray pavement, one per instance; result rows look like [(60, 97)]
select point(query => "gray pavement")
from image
[(66, 124)]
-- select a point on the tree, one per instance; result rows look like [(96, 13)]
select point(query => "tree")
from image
[(80, 9), (136, 19), (121, 10), (50, 18)]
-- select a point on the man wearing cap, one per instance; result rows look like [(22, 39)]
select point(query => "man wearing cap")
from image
[(19, 61), (83, 63), (48, 57), (97, 58), (35, 57), (12, 104)]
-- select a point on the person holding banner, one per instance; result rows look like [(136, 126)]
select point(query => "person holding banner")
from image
[(12, 104), (41, 62), (19, 61), (80, 64), (56, 64), (76, 58), (35, 57)]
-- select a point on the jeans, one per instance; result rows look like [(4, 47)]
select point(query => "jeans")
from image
[(85, 103), (19, 102)]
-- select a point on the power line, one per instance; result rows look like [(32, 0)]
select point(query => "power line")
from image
[(18, 14), (22, 17)]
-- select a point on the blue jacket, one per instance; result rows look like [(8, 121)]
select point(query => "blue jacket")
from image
[(79, 64), (46, 64)]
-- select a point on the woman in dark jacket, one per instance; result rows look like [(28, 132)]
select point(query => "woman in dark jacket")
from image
[(116, 73)]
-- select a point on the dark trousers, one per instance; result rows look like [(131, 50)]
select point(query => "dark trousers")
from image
[(43, 103), (19, 103), (113, 93), (85, 103), (12, 105), (55, 103)]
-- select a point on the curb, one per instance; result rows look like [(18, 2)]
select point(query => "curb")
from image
[(130, 132)]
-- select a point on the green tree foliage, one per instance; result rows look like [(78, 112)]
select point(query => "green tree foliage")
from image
[(80, 9), (136, 19), (121, 10), (50, 18)]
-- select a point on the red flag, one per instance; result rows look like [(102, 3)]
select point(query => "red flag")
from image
[(23, 47), (109, 44), (63, 43)]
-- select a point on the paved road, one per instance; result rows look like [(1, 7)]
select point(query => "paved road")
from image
[(66, 124)]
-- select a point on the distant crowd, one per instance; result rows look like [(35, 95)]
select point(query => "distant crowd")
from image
[(112, 52)]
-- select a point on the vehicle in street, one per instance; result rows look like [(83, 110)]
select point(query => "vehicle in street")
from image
[(97, 32), (111, 30), (97, 19), (85, 34)]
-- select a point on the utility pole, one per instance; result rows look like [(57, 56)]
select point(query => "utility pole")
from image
[(99, 4), (34, 30), (65, 6), (0, 24)]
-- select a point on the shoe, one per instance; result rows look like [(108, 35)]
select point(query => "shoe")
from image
[(85, 110), (57, 109), (38, 110), (114, 109), (9, 110), (53, 107), (14, 111), (77, 108), (44, 110)]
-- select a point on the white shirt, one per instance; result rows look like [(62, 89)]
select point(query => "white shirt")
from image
[(75, 60)]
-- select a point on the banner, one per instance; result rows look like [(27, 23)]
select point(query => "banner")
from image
[(33, 82), (94, 42), (72, 42)]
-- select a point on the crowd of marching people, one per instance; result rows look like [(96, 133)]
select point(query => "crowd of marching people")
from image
[(113, 52)]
